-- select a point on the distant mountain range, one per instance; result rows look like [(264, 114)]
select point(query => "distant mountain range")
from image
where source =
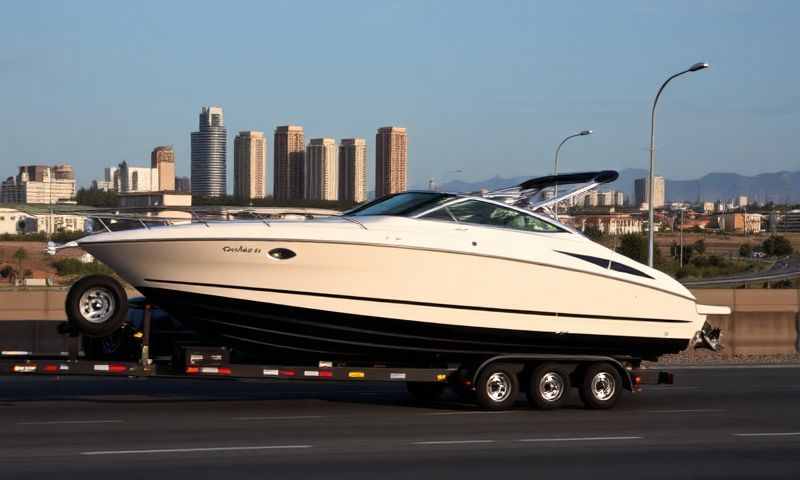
[(779, 187)]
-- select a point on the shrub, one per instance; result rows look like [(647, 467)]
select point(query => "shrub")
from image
[(745, 250), (72, 266), (777, 245)]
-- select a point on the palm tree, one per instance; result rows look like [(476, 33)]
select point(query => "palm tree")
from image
[(20, 255)]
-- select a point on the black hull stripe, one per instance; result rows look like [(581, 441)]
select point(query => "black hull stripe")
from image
[(416, 304)]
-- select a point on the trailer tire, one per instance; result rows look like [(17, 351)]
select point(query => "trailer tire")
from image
[(548, 386), (96, 305), (601, 386), (497, 387)]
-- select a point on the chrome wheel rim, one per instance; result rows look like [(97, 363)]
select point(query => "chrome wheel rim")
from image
[(498, 387), (97, 305), (603, 386), (551, 387)]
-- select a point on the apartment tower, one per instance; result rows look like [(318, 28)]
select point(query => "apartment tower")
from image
[(249, 165), (289, 163), (353, 170), (209, 175), (391, 161), (163, 159), (322, 167), (641, 189)]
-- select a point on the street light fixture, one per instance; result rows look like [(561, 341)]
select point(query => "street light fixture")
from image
[(582, 133), (651, 180)]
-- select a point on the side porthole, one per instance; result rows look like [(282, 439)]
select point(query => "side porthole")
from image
[(281, 253)]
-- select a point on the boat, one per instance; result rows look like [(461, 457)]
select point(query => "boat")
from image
[(411, 278)]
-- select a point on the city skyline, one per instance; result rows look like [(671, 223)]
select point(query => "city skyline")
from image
[(495, 103)]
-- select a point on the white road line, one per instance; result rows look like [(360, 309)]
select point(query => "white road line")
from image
[(192, 450), (70, 422), (577, 439), (452, 442), (471, 412), (769, 434), (295, 417), (696, 410)]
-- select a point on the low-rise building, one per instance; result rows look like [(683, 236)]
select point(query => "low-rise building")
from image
[(12, 221), (740, 222), (611, 223)]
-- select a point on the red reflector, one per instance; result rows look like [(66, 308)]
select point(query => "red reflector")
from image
[(51, 368), (326, 373), (192, 370), (224, 371), (637, 380), (117, 368), (287, 373)]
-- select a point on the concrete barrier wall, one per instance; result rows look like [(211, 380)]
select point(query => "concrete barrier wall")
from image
[(764, 322)]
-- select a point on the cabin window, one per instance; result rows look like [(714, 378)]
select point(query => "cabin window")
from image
[(441, 214), (489, 214)]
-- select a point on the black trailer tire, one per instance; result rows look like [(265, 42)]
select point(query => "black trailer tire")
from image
[(601, 386), (425, 391), (497, 387), (96, 305), (548, 387)]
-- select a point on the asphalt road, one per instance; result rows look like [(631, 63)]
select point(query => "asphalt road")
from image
[(714, 423)]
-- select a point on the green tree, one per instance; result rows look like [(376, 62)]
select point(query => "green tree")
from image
[(777, 245), (633, 246), (593, 233), (699, 246), (20, 256), (745, 250)]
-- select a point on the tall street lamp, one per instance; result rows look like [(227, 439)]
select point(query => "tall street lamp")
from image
[(650, 180), (558, 150)]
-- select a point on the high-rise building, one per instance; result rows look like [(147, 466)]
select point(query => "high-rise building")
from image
[(249, 165), (163, 159), (183, 185), (742, 201), (289, 172), (641, 188), (391, 161), (136, 179), (322, 170), (209, 154), (39, 184), (353, 170)]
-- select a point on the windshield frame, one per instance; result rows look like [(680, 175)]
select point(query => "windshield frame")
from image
[(560, 228), (409, 212)]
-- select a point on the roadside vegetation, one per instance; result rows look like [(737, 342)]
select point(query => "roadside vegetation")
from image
[(73, 267), (58, 237)]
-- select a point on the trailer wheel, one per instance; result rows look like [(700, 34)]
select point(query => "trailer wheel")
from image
[(601, 386), (549, 385), (497, 388), (425, 391), (97, 305)]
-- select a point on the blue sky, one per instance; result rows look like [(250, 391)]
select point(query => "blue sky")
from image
[(485, 87)]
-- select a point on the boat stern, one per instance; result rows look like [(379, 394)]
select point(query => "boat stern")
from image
[(709, 337)]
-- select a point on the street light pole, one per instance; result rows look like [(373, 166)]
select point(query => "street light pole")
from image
[(555, 165), (651, 180)]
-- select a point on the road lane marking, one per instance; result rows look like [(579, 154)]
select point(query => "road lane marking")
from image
[(192, 450), (578, 439), (696, 410), (294, 417), (70, 422), (452, 442), (768, 434), (476, 412)]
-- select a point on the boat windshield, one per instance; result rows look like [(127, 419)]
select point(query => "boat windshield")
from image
[(402, 204)]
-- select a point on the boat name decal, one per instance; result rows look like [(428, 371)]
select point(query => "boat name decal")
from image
[(241, 249)]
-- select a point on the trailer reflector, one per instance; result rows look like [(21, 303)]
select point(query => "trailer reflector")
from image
[(397, 376), (324, 364), (24, 368), (270, 373), (15, 353), (356, 375), (311, 373), (192, 370), (441, 377), (287, 373), (326, 374)]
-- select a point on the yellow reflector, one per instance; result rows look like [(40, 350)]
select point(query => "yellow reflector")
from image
[(355, 374), (441, 377)]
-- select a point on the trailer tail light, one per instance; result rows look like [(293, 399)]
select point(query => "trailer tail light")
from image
[(356, 375), (26, 368)]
